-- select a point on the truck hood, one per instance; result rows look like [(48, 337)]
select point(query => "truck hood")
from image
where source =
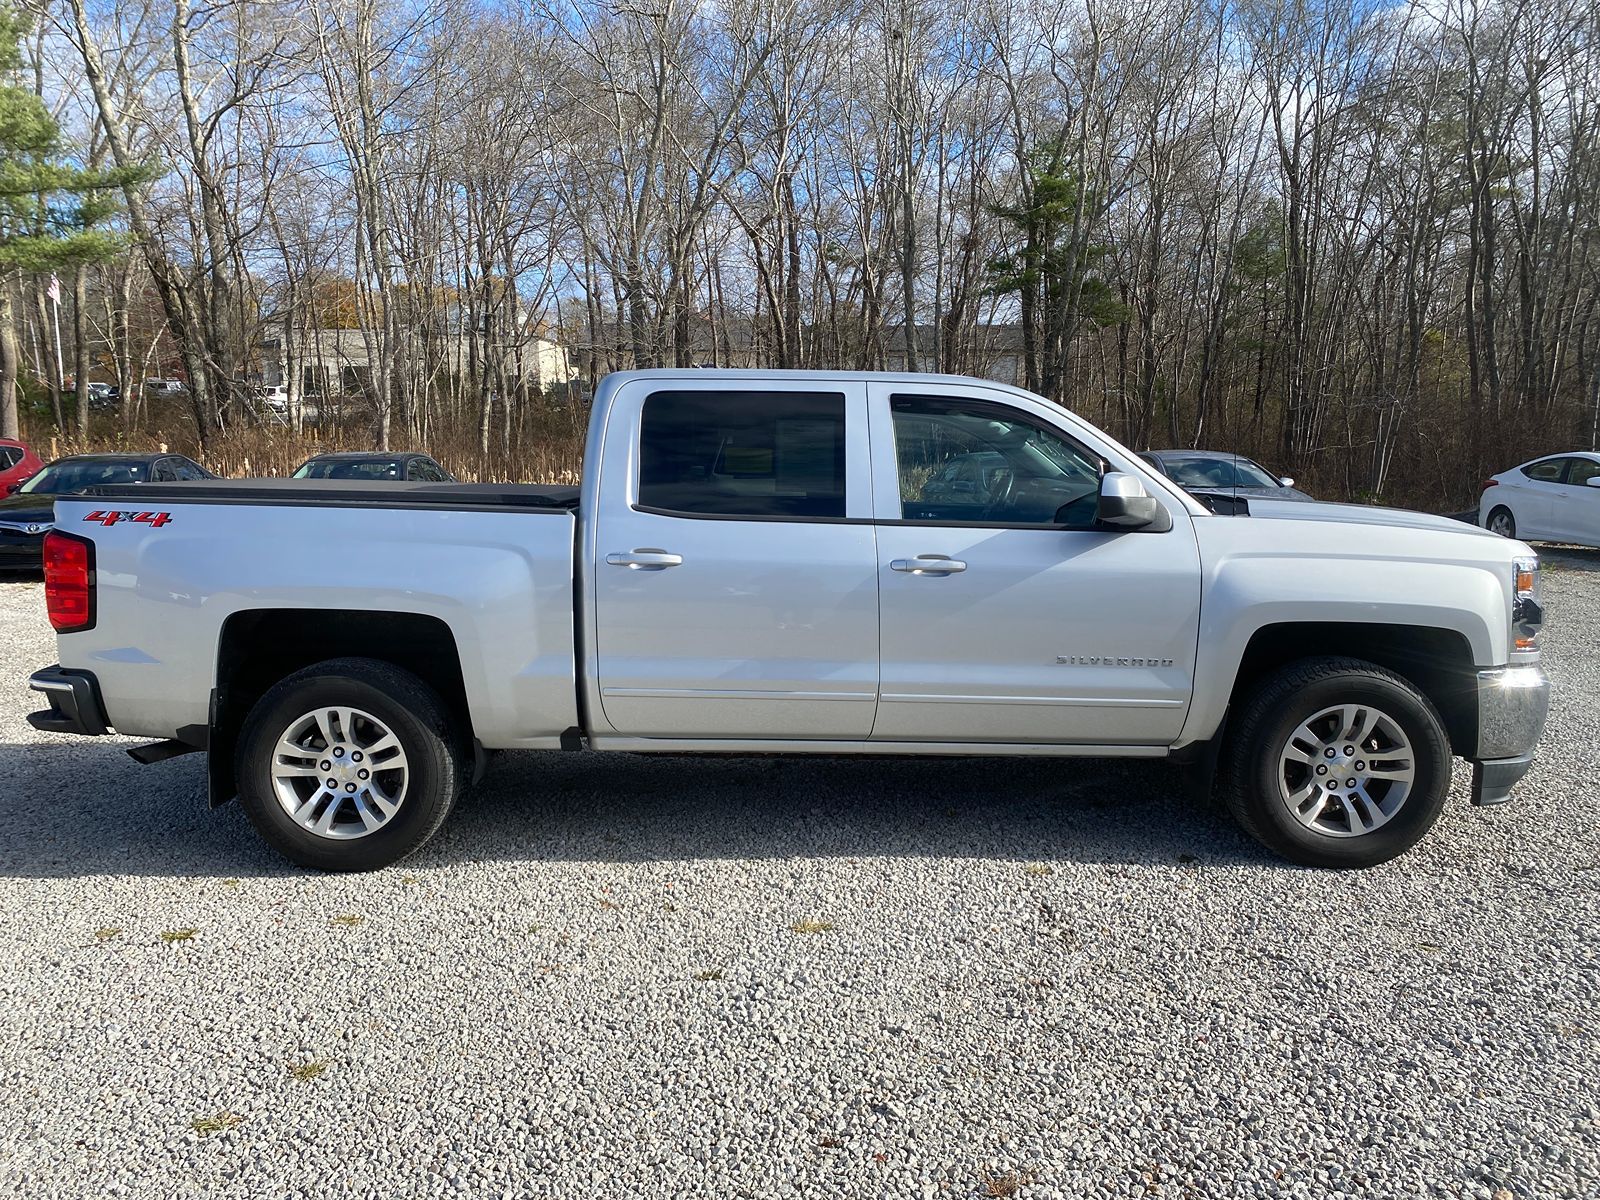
[(1359, 514)]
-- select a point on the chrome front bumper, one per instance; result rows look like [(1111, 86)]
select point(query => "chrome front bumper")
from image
[(1512, 705)]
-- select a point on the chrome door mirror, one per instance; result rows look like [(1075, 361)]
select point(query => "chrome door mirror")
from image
[(1592, 481), (1124, 504), (1286, 481)]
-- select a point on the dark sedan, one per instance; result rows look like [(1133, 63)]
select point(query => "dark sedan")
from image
[(29, 512), (374, 466), (1219, 471)]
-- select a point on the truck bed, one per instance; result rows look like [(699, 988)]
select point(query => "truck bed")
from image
[(192, 574)]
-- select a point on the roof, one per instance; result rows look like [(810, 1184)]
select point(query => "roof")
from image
[(1182, 454), (357, 455), (119, 458)]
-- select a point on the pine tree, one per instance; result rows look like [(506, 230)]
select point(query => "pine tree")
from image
[(50, 209)]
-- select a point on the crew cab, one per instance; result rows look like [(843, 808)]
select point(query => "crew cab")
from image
[(802, 563)]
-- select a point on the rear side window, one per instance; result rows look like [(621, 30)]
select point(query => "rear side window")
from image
[(191, 470), (9, 457), (750, 454), (1551, 470)]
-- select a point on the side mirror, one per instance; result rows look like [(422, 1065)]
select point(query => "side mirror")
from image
[(13, 488), (1286, 481), (1124, 504), (1592, 481)]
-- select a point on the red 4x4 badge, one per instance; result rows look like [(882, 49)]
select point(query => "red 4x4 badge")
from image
[(110, 516)]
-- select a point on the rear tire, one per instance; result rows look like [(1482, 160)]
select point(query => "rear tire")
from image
[(350, 764), (1289, 783), (1501, 521)]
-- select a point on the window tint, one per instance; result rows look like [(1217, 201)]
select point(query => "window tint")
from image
[(187, 469), (1583, 470), (756, 454), (10, 456), (1219, 472), (1551, 470), (970, 461), (165, 471)]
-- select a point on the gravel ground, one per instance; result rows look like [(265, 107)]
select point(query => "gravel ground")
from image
[(666, 977)]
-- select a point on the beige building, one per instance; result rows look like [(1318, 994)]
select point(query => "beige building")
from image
[(330, 362)]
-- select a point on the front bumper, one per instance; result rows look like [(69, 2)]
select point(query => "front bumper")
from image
[(75, 704), (1512, 705)]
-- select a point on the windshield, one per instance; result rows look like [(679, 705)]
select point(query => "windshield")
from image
[(360, 468), (64, 478), (1219, 473)]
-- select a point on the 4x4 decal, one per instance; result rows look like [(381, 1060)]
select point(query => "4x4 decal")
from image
[(110, 516)]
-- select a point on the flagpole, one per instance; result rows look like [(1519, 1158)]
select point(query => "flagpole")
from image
[(55, 301)]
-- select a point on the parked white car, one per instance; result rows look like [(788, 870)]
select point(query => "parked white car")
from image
[(1551, 499)]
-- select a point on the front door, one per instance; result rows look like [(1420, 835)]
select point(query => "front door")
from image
[(1006, 617), (735, 597)]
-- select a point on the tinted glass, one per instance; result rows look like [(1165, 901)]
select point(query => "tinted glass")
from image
[(1552, 470), (756, 454), (1219, 472), (975, 462), (1583, 470), (9, 457), (165, 471), (63, 478), (188, 469), (360, 468)]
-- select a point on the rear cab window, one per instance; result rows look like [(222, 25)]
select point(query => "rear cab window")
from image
[(766, 455)]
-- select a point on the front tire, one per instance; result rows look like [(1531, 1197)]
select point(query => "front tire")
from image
[(350, 765), (1337, 763)]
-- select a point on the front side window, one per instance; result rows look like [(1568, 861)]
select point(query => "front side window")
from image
[(1583, 470), (63, 478), (974, 462), (750, 454), (1551, 470), (188, 469)]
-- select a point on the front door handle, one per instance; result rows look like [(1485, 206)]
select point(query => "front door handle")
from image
[(645, 559), (928, 564)]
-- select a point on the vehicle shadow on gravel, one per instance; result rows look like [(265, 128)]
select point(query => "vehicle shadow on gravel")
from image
[(1569, 558), (87, 809)]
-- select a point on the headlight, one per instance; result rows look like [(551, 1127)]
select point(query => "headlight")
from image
[(1527, 615)]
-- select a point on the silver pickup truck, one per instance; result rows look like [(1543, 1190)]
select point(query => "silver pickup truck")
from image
[(808, 563)]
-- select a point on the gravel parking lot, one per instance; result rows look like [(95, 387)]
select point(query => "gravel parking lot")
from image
[(747, 977)]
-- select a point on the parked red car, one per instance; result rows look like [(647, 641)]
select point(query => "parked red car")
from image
[(18, 464)]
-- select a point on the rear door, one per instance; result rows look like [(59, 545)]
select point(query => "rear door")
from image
[(733, 561), (1536, 487), (1006, 616)]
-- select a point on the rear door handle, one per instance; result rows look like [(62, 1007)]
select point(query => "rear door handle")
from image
[(928, 564), (645, 559)]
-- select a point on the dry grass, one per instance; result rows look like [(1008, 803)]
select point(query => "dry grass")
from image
[(811, 925), (348, 920), (546, 448), (1008, 1183), (215, 1123), (307, 1071), (178, 935)]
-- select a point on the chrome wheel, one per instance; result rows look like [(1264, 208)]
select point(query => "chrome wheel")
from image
[(1346, 770), (339, 772), (1500, 522)]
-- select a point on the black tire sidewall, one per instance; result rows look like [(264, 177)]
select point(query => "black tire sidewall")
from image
[(1270, 815), (412, 713)]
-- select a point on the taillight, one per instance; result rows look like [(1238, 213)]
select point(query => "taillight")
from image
[(69, 581), (1489, 483)]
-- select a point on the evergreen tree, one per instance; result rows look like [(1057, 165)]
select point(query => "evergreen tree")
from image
[(50, 209)]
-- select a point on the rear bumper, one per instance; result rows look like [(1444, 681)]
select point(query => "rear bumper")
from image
[(75, 704), (1512, 705)]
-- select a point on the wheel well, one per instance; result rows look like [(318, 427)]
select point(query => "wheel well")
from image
[(261, 646), (1437, 661)]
